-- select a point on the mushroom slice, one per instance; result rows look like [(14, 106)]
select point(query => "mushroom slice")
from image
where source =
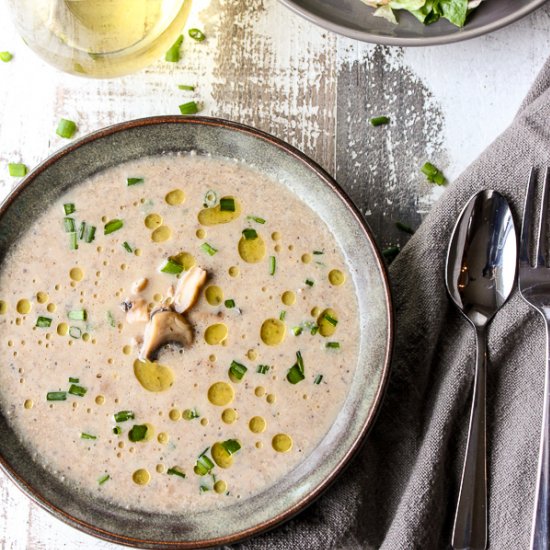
[(188, 287), (164, 327), (136, 311)]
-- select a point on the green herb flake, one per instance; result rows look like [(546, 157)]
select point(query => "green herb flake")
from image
[(203, 465), (6, 56), (296, 373), (237, 370), (87, 436), (433, 174), (297, 330), (209, 249), (123, 416), (89, 235), (379, 120), (68, 224), (117, 430), (134, 181), (17, 170), (66, 128), (227, 204), (171, 267), (43, 322), (69, 208), (186, 87), (229, 303), (73, 380), (256, 219), (282, 315), (79, 391), (75, 332), (197, 34), (272, 265), (318, 252), (111, 319), (176, 471), (262, 369), (112, 226), (309, 282), (189, 108), (73, 240), (231, 446), (103, 479), (173, 55), (190, 414), (56, 396), (314, 330), (250, 234), (77, 315), (333, 345), (318, 379), (127, 247), (137, 433), (330, 319)]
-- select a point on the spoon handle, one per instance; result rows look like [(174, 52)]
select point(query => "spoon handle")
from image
[(540, 533), (470, 527)]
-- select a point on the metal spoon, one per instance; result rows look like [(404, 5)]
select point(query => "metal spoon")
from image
[(480, 274)]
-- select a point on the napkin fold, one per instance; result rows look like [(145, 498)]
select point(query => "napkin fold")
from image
[(401, 491)]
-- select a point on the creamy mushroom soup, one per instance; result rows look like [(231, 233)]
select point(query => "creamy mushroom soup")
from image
[(176, 333)]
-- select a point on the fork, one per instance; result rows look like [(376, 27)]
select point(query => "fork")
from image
[(534, 286)]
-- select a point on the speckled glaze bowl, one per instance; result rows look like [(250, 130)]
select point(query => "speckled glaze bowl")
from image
[(206, 136), (354, 19)]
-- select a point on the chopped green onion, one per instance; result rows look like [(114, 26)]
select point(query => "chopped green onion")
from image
[(69, 208), (210, 198), (404, 227), (330, 319), (172, 267), (318, 379), (137, 433), (17, 170), (314, 330), (78, 315), (250, 234), (68, 223), (77, 390), (189, 108), (256, 219), (56, 396), (175, 471), (227, 204), (210, 250), (237, 370), (111, 319), (204, 489), (229, 304), (73, 380), (112, 226), (190, 414), (318, 252), (391, 252), (197, 35), (333, 345), (6, 56), (309, 282), (282, 315), (297, 330), (81, 230), (123, 416), (295, 375), (231, 446), (433, 174), (43, 322), (73, 241), (127, 247), (117, 430), (87, 436), (272, 265), (89, 234), (186, 87), (262, 369), (204, 465), (173, 54), (75, 332), (379, 120), (134, 181), (300, 360), (66, 128), (103, 479)]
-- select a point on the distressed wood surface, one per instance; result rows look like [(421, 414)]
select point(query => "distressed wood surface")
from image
[(264, 66)]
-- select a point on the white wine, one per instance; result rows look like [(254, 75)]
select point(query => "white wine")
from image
[(100, 38)]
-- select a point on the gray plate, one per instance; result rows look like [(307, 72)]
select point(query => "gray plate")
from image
[(354, 19), (154, 136)]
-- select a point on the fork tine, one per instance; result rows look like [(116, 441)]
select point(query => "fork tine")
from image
[(527, 222), (543, 225)]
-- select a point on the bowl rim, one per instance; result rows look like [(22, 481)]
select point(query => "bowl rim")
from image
[(35, 495), (366, 36)]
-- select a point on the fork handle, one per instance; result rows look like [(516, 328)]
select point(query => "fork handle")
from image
[(540, 532), (470, 527)]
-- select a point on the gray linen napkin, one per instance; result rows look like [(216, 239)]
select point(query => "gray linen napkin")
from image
[(401, 491)]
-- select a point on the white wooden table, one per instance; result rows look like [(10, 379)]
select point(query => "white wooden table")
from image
[(266, 67)]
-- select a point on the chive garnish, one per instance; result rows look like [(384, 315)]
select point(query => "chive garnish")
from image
[(87, 436), (204, 465), (73, 380), (294, 375), (89, 234), (262, 369), (81, 230), (43, 322), (6, 56), (314, 330), (210, 198), (391, 252), (404, 227), (333, 345), (175, 471), (112, 226), (77, 390), (66, 128), (227, 204), (256, 219), (282, 315), (123, 416), (229, 303), (134, 181), (73, 240), (197, 34), (127, 247), (69, 208), (75, 332), (250, 234), (237, 370), (309, 282), (297, 330), (204, 489), (272, 265), (318, 252), (231, 446), (330, 319), (173, 54), (189, 108), (433, 174), (210, 250), (56, 396), (77, 315), (103, 479), (172, 267), (318, 379), (117, 430), (68, 223), (379, 120), (300, 360), (17, 170), (186, 87), (137, 433), (190, 414), (111, 319)]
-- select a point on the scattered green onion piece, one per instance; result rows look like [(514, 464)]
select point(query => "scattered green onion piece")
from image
[(127, 247), (117, 430), (87, 436), (173, 54), (379, 120), (318, 379), (197, 34), (262, 369), (112, 226), (297, 330), (73, 380), (333, 345), (318, 252), (190, 414), (17, 170), (250, 234), (137, 433), (6, 56), (43, 322), (123, 416), (204, 489), (309, 282), (172, 267), (189, 108), (66, 128), (68, 223), (314, 330), (56, 396), (111, 319), (227, 204), (282, 315), (272, 265), (391, 252), (330, 319), (300, 360), (404, 227), (77, 390), (237, 370), (295, 375), (204, 465), (75, 332), (73, 240), (134, 181), (81, 230), (210, 198), (89, 234), (433, 174), (78, 315), (175, 471), (256, 219), (229, 304), (69, 208), (103, 479), (210, 250), (231, 446), (186, 87)]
